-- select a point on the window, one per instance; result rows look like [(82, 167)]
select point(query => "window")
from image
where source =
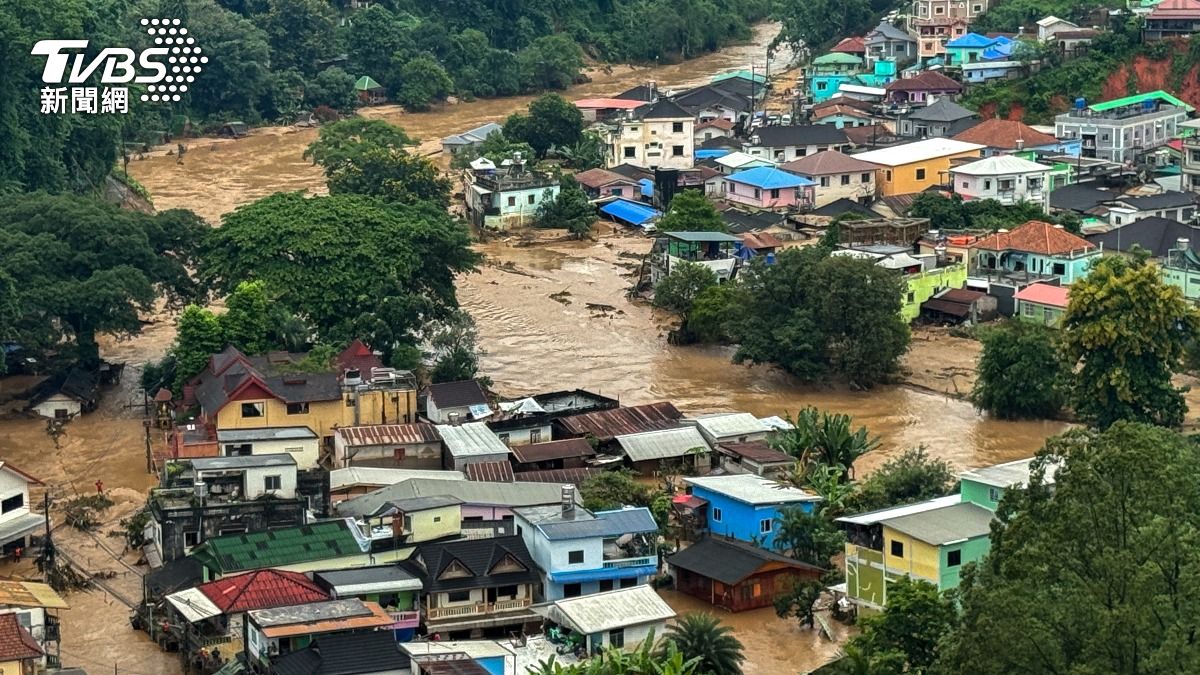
[(757, 193), (437, 519), (506, 591), (61, 413), (630, 151), (845, 179), (824, 181), (297, 408), (572, 590), (764, 525), (939, 10), (458, 596), (535, 436), (398, 454), (987, 184), (1026, 309), (629, 582), (252, 410), (778, 154), (920, 174), (191, 539), (512, 201), (965, 185), (775, 193), (953, 558), (898, 548), (994, 494), (617, 192), (616, 638), (888, 174), (240, 450), (757, 590), (716, 514), (1060, 268), (677, 151), (503, 438), (272, 482), (910, 298), (822, 85), (574, 557), (977, 8), (530, 198), (677, 127), (606, 585), (1118, 219), (12, 503)]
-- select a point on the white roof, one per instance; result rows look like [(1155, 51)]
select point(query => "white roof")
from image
[(776, 422), (600, 612), (736, 159), (664, 444), (1051, 20), (471, 439), (724, 425), (751, 489), (193, 605), (526, 405), (1009, 474), (476, 649), (482, 164), (991, 65), (917, 151), (366, 475), (873, 517), (860, 89), (999, 165)]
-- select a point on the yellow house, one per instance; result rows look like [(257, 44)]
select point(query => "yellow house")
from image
[(419, 519), (913, 167)]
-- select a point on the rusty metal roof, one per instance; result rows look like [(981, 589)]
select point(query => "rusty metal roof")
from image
[(30, 594), (606, 424), (541, 452), (559, 476), (489, 472), (390, 434)]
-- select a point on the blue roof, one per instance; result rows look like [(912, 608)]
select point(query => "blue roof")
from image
[(630, 212), (603, 573), (1001, 50), (647, 187), (972, 41), (769, 178), (712, 154)]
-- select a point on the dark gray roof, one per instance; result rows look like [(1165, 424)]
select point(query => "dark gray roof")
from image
[(1171, 199), (887, 30), (1080, 197), (479, 556), (1155, 235), (639, 93), (358, 653), (457, 394), (362, 575), (741, 222), (234, 370), (738, 86), (631, 171), (941, 110), (730, 561), (663, 109), (843, 205), (583, 525), (798, 134), (242, 462), (709, 95), (721, 143), (415, 504)]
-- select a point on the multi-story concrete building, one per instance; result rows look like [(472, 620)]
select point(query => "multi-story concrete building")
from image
[(1122, 129), (1191, 164), (1004, 178), (662, 135), (936, 22)]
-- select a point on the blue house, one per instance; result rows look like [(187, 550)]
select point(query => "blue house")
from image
[(827, 73), (969, 48), (1034, 251), (746, 506), (580, 552)]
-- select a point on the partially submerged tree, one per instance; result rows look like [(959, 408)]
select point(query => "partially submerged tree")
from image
[(807, 536), (1021, 373), (817, 437), (569, 209), (691, 211), (679, 290), (701, 635), (552, 121), (799, 602)]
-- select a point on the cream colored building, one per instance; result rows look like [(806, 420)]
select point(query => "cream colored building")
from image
[(660, 136)]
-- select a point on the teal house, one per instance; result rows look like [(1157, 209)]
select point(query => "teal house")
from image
[(828, 72), (882, 72), (1033, 251), (970, 48)]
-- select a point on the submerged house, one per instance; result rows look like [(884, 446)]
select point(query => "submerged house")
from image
[(747, 507), (714, 250), (17, 522), (67, 396), (736, 576), (622, 618), (508, 196)]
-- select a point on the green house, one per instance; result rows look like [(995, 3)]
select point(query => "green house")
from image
[(1043, 304)]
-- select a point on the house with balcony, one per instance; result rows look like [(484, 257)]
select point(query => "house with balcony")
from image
[(660, 135), (925, 275), (274, 633), (921, 89), (935, 22), (836, 175), (780, 143), (299, 442), (395, 589), (1007, 179), (828, 72), (843, 112), (580, 552), (1034, 251), (1172, 205), (210, 497), (769, 188), (403, 522), (600, 183), (210, 617), (499, 198), (1190, 162), (747, 507), (885, 41), (714, 250), (1124, 129), (530, 420), (1181, 268), (1172, 19), (17, 522), (474, 587), (622, 618), (35, 607)]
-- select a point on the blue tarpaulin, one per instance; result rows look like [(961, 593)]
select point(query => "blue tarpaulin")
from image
[(715, 153), (647, 187), (629, 212)]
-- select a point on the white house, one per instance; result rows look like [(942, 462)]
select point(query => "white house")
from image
[(450, 402), (731, 428), (580, 553), (784, 143), (662, 135), (1004, 178), (1050, 25), (622, 618), (17, 522), (299, 442), (260, 474), (66, 396)]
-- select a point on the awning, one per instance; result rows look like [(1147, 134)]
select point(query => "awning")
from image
[(629, 212), (393, 586), (20, 526), (480, 191), (193, 605), (602, 574)]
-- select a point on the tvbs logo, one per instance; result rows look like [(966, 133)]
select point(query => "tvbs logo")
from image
[(166, 69)]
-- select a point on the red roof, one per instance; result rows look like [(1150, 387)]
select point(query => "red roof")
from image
[(358, 356), (851, 45), (1045, 294), (718, 123), (1176, 9), (1004, 134), (756, 241), (604, 103), (930, 80), (598, 178), (15, 642), (1035, 237), (261, 589)]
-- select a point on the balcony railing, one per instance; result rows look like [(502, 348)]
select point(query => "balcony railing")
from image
[(510, 605), (477, 608), (631, 562), (409, 619)]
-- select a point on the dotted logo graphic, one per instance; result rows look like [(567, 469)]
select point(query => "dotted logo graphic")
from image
[(186, 59)]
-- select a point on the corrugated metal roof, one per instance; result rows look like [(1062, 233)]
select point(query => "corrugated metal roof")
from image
[(193, 605), (731, 424), (495, 472), (471, 439), (389, 434), (665, 444), (602, 612), (365, 475), (470, 492), (580, 524), (559, 476), (946, 525), (872, 517), (752, 489), (242, 462), (630, 212), (264, 434), (30, 594), (606, 424), (541, 452), (1009, 474)]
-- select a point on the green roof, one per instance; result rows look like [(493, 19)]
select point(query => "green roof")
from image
[(365, 83), (744, 74), (277, 548), (1134, 100), (700, 236), (839, 58)]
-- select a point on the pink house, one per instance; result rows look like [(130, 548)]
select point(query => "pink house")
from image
[(767, 187), (604, 183)]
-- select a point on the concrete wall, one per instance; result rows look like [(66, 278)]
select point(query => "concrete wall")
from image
[(969, 551), (830, 187), (924, 285), (906, 178), (741, 520), (304, 450), (919, 560), (416, 455), (434, 523)]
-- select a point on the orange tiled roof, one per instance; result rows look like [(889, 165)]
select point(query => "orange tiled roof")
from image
[(1035, 236), (1004, 134)]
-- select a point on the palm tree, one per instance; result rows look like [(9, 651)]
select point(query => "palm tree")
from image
[(823, 438), (702, 636)]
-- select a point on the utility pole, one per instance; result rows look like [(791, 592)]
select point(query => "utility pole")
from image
[(149, 454)]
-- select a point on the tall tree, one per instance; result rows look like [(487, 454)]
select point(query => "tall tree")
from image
[(331, 87), (822, 438), (701, 635), (678, 292), (392, 175), (552, 121), (247, 322), (807, 536), (1021, 373), (81, 267), (691, 211), (456, 349), (813, 25), (373, 39), (301, 33), (197, 337), (912, 477), (570, 209), (422, 81), (550, 62), (1100, 567), (347, 139), (1124, 334), (910, 628), (235, 83), (351, 266)]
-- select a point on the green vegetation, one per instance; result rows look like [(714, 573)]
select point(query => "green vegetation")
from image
[(952, 213), (912, 477), (800, 602), (808, 537), (551, 122), (678, 292), (817, 24), (1020, 373), (701, 635), (569, 209), (456, 351), (650, 658), (904, 637), (691, 211), (820, 438)]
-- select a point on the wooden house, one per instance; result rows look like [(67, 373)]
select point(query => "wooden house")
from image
[(736, 576)]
